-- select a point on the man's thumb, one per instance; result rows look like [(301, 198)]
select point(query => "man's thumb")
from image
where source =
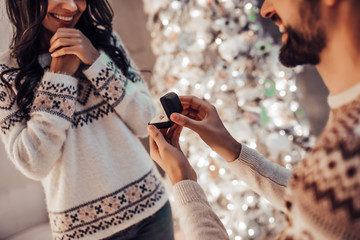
[(183, 120)]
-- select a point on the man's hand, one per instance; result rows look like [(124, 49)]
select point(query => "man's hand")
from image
[(202, 118), (165, 150)]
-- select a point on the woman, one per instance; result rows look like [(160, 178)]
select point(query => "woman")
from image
[(71, 109)]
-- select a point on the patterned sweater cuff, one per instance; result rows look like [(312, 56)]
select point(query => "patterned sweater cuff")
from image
[(188, 191), (250, 156), (56, 94), (107, 79), (102, 71)]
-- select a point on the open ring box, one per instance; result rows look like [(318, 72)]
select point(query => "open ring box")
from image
[(170, 103)]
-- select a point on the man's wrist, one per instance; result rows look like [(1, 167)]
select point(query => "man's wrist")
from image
[(234, 150), (181, 173)]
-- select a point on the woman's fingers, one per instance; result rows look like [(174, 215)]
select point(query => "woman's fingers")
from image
[(74, 50), (64, 42), (66, 33), (72, 41)]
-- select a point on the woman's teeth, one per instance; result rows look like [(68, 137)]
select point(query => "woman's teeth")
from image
[(67, 19)]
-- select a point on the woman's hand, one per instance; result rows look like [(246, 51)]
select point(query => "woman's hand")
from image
[(165, 150), (67, 64), (71, 41), (202, 117)]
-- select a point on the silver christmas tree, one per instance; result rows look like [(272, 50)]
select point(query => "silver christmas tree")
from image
[(218, 50)]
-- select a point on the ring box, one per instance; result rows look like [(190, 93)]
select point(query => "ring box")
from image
[(170, 103)]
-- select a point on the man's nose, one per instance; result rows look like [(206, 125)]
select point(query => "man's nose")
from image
[(267, 9)]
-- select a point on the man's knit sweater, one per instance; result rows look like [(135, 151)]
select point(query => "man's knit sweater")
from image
[(321, 198), (80, 141)]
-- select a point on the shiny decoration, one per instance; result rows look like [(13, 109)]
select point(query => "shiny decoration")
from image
[(218, 51)]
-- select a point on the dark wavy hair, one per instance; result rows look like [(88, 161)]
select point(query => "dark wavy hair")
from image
[(26, 18)]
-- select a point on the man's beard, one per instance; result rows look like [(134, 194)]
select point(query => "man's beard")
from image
[(305, 43), (299, 49)]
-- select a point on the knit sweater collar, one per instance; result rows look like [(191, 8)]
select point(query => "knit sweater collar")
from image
[(338, 100)]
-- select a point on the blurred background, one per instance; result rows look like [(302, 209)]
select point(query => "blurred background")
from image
[(22, 207)]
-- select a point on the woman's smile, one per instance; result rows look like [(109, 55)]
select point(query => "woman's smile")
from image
[(62, 19), (62, 13)]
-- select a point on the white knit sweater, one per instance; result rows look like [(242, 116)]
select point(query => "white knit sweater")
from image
[(321, 198), (81, 143)]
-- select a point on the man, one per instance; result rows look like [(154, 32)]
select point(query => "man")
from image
[(321, 198)]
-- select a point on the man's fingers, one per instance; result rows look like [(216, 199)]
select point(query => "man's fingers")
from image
[(193, 102), (163, 131), (175, 136), (154, 150), (152, 144), (157, 136), (194, 106), (195, 114)]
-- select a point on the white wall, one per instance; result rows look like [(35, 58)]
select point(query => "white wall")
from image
[(5, 29), (5, 32)]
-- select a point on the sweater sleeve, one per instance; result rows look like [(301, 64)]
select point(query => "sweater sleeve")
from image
[(34, 142), (198, 220), (128, 95), (263, 176)]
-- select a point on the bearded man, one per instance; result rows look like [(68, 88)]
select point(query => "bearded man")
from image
[(321, 197)]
